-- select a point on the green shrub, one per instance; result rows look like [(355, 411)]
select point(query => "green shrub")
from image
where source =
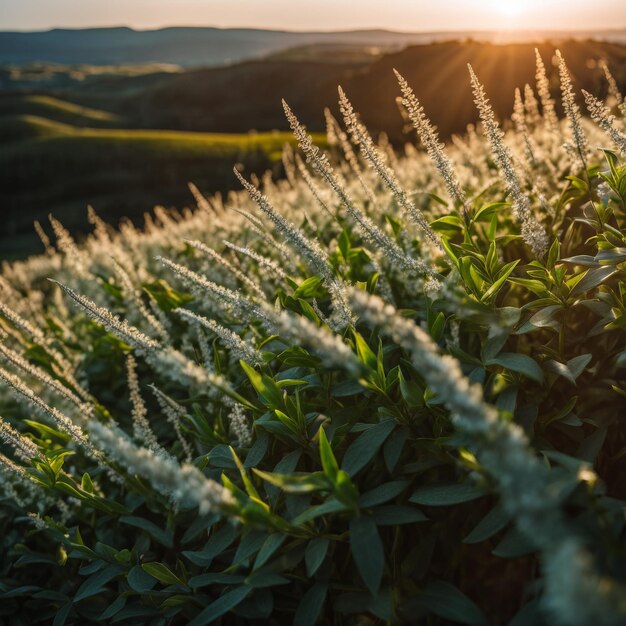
[(348, 403)]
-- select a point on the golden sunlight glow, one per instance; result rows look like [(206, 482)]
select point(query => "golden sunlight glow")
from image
[(510, 9), (407, 15)]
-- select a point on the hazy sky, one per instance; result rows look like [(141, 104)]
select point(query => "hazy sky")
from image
[(408, 15)]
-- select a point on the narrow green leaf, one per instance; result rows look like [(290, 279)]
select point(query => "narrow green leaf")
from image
[(311, 605), (520, 363), (329, 463), (367, 551), (162, 573), (96, 582), (394, 515), (140, 581), (488, 526), (315, 553), (221, 606), (271, 544), (446, 495), (383, 493), (164, 537), (363, 448), (445, 600)]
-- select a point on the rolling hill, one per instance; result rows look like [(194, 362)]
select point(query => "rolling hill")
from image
[(49, 166), (53, 108), (247, 95), (126, 141)]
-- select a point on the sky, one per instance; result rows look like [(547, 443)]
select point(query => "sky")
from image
[(405, 15)]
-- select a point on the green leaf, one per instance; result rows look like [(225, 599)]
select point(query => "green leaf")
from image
[(578, 364), (249, 545), (570, 370), (593, 278), (520, 363), (343, 242), (267, 389), (140, 581), (364, 447), (217, 543), (297, 483), (383, 493), (445, 600), (506, 271), (113, 609), (309, 288), (487, 211), (311, 605), (446, 495), (394, 445), (62, 614), (257, 451), (329, 463), (221, 606), (544, 318), (314, 554), (347, 388), (164, 537), (215, 578), (332, 505), (263, 579), (393, 515), (514, 544), (96, 582), (448, 225), (367, 551), (167, 298), (488, 526), (86, 484), (271, 544), (364, 352), (162, 573), (553, 254)]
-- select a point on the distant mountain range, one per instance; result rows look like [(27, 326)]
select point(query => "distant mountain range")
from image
[(204, 46)]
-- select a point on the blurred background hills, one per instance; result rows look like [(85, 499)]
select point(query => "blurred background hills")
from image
[(123, 119)]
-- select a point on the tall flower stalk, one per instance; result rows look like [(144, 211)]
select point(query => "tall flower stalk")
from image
[(532, 232)]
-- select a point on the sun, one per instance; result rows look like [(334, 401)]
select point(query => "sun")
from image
[(509, 9)]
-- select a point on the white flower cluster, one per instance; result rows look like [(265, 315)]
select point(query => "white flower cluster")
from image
[(23, 447), (239, 348), (232, 300), (368, 229), (581, 146), (212, 254), (10, 356), (430, 139), (239, 425), (532, 232), (64, 423), (174, 413), (184, 484), (543, 88), (273, 269), (135, 296), (141, 426), (372, 154), (131, 335), (601, 115)]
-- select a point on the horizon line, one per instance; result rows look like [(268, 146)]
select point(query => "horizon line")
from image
[(435, 31)]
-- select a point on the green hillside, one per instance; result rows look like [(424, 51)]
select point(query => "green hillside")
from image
[(53, 108), (122, 172)]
